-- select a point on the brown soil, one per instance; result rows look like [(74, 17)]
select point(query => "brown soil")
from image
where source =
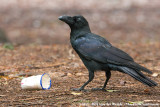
[(67, 71)]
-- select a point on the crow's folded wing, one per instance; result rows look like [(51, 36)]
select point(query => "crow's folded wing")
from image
[(94, 49)]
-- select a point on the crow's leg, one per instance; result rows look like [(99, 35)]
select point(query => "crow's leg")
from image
[(108, 75), (91, 76)]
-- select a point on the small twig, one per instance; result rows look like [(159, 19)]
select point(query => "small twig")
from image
[(2, 95), (31, 98)]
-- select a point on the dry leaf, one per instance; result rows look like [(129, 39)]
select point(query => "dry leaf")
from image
[(74, 93), (151, 100), (155, 74), (79, 74), (123, 82), (146, 90), (136, 102), (112, 90), (69, 74)]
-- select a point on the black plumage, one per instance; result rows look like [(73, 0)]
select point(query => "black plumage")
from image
[(98, 54)]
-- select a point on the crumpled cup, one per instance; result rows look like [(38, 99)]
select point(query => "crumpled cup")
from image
[(36, 82)]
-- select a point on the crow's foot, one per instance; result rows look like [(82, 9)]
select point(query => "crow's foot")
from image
[(78, 89)]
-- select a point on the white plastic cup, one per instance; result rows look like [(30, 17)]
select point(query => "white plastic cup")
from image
[(36, 82)]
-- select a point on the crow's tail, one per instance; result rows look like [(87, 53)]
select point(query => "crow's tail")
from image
[(138, 67), (138, 76)]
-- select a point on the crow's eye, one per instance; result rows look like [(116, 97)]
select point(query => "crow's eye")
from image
[(78, 19)]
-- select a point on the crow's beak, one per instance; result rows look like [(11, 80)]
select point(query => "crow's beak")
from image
[(60, 17), (67, 19)]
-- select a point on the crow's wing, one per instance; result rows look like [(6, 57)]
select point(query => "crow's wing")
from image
[(95, 49)]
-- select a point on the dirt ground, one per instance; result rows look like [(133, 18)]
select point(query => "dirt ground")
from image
[(67, 72)]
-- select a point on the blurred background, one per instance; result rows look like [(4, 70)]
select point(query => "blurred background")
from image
[(36, 21)]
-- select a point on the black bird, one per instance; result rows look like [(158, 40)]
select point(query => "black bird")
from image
[(98, 54)]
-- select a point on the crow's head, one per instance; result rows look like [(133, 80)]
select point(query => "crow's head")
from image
[(75, 22)]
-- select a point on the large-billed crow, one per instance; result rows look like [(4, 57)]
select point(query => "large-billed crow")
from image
[(98, 54)]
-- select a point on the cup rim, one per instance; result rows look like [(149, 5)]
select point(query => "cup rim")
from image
[(41, 82)]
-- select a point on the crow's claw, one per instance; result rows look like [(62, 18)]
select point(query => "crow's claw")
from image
[(77, 89)]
